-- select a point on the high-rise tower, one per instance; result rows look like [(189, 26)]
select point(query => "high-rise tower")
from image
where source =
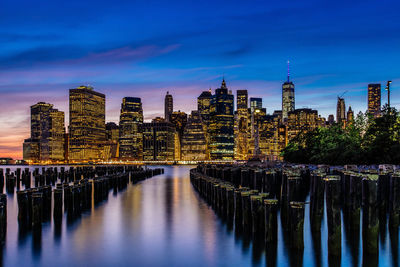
[(130, 123), (288, 103), (241, 125), (374, 98), (255, 103), (87, 127), (340, 110), (168, 106), (221, 129), (47, 134)]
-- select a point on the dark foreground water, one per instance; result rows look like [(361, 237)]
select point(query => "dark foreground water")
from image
[(162, 221)]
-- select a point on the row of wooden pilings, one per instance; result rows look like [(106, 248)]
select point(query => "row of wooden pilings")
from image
[(51, 175), (35, 205), (251, 197)]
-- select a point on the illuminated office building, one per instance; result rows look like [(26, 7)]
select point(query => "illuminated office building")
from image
[(340, 111), (302, 120), (255, 103), (241, 125), (203, 106), (168, 106), (350, 116), (221, 128), (194, 146), (374, 99), (87, 128), (179, 120), (288, 103), (112, 132), (158, 141), (112, 141), (46, 143), (130, 124)]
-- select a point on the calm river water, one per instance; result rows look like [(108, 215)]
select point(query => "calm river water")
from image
[(162, 221)]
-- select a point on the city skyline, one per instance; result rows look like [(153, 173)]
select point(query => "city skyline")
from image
[(161, 114), (44, 54)]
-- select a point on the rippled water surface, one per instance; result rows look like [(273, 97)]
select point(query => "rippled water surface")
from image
[(162, 221)]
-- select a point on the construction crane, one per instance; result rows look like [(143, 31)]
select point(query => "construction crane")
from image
[(342, 94)]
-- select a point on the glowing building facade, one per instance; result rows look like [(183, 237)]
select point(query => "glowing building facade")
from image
[(168, 106), (46, 143), (194, 145), (179, 120), (112, 141), (255, 103), (130, 134), (242, 126), (158, 141), (87, 129), (374, 99), (221, 128), (302, 120)]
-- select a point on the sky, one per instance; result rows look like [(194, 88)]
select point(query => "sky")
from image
[(146, 48)]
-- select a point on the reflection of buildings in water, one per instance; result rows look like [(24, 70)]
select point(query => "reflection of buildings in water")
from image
[(169, 187)]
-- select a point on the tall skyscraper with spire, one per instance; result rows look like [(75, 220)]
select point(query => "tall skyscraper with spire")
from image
[(168, 106), (221, 129), (288, 103)]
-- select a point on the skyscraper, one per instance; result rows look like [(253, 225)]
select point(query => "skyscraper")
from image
[(112, 140), (179, 120), (168, 106), (130, 123), (331, 119), (340, 111), (350, 116), (288, 103), (158, 141), (241, 125), (302, 120), (86, 124), (255, 103), (194, 146), (221, 129), (374, 99), (203, 106), (47, 134)]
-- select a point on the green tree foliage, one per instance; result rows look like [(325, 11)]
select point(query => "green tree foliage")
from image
[(367, 140)]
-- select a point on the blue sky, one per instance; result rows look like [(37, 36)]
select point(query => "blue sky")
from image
[(144, 48)]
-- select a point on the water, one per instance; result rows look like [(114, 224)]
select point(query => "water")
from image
[(162, 221)]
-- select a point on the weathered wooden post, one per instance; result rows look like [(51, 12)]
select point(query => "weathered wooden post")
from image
[(257, 213), (296, 215), (370, 214), (3, 217), (271, 220), (316, 201), (22, 199), (58, 203), (333, 214), (37, 209), (394, 206)]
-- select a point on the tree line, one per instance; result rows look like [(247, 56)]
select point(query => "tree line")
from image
[(366, 140)]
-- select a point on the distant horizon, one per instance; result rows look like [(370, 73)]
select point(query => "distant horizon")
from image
[(146, 49)]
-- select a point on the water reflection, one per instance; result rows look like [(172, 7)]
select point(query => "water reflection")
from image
[(162, 221)]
